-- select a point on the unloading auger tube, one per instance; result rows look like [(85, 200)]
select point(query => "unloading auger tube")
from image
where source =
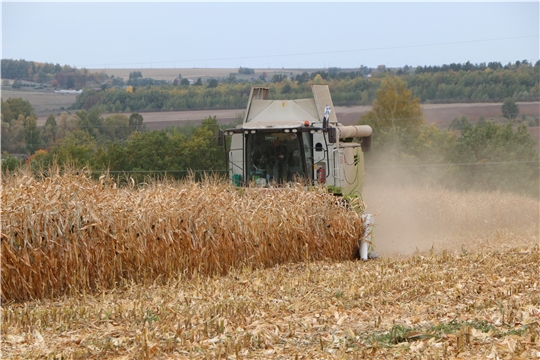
[(354, 131)]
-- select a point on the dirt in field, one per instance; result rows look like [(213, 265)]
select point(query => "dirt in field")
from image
[(440, 114)]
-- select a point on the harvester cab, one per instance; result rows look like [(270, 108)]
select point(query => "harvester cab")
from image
[(282, 141)]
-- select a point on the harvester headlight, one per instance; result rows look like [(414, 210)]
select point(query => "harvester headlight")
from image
[(294, 130), (253, 131), (312, 131), (319, 131), (286, 130), (246, 131)]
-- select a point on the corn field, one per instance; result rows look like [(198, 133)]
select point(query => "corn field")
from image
[(91, 269), (67, 233)]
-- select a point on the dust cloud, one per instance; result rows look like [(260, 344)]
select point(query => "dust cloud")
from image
[(411, 218)]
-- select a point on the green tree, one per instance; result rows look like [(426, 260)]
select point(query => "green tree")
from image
[(246, 71), (509, 108), (286, 88), (13, 136), (184, 82), (31, 134), (90, 121), (200, 151), (136, 122), (70, 84), (212, 83), (116, 127), (10, 163), (279, 78), (76, 148), (112, 157), (517, 165), (135, 75), (459, 124), (67, 123), (13, 107), (49, 130), (154, 150)]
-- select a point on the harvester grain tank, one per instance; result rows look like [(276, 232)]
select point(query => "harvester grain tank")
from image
[(282, 141)]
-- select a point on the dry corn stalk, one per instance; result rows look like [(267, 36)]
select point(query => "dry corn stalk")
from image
[(69, 233)]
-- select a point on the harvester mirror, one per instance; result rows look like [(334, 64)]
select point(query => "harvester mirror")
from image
[(220, 138), (332, 135), (366, 143)]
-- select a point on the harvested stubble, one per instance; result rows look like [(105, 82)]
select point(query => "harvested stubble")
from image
[(464, 305), (67, 233)]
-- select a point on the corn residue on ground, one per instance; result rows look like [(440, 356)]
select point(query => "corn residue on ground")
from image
[(462, 305)]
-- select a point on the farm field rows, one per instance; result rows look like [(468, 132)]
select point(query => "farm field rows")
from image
[(457, 279)]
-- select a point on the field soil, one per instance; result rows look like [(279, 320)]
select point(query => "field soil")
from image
[(440, 114), (45, 102)]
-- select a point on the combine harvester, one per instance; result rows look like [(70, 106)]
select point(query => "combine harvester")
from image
[(282, 141)]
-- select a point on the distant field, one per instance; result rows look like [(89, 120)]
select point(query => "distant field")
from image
[(45, 102), (194, 73)]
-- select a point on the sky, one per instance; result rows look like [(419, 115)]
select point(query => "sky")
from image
[(269, 35)]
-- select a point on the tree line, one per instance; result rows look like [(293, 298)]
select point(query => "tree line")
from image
[(47, 73), (488, 85), (437, 84), (115, 143)]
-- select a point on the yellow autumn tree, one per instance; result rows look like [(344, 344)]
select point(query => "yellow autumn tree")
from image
[(318, 80), (394, 108)]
